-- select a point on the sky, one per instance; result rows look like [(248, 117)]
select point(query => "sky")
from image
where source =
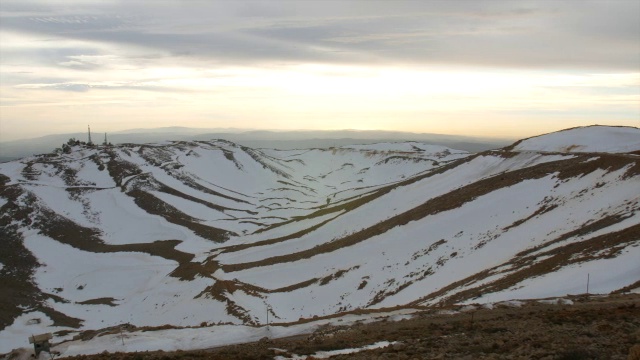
[(503, 69)]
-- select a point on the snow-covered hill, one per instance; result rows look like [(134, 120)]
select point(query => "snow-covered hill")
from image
[(203, 233), (585, 139)]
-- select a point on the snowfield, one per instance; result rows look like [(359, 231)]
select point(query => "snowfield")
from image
[(209, 237)]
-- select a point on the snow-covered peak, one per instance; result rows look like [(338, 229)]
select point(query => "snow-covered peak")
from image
[(585, 139)]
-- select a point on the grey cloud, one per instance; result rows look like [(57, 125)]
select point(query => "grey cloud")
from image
[(57, 86), (79, 65), (66, 26), (563, 34), (72, 87), (85, 87), (69, 57)]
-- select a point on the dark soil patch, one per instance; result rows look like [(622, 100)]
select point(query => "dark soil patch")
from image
[(100, 301), (19, 292), (155, 206)]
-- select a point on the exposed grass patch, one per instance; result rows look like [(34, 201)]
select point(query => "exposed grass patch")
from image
[(99, 301)]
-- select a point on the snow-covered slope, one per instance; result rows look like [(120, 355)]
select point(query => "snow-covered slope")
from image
[(585, 139), (202, 233)]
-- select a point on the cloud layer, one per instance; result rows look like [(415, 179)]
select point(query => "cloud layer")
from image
[(568, 34)]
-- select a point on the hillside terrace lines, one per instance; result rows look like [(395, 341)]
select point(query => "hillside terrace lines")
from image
[(224, 291), (68, 232), (297, 184), (562, 169), (155, 206), (583, 230), (581, 238), (373, 188), (403, 158), (355, 201), (259, 157), (592, 179), (341, 168), (340, 207), (258, 291), (129, 175), (228, 154), (346, 205), (327, 209), (19, 290), (192, 183), (286, 189), (353, 160), (183, 174), (189, 172), (295, 235), (278, 198), (342, 242), (526, 267), (609, 162), (172, 191)]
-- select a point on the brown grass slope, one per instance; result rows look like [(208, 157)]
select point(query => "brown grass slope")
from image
[(19, 291), (591, 328)]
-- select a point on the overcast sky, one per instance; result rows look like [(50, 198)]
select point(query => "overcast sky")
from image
[(488, 68)]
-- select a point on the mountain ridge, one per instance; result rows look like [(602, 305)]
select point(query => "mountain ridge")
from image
[(287, 140)]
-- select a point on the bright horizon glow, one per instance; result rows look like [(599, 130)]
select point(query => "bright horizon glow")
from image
[(62, 69), (371, 98)]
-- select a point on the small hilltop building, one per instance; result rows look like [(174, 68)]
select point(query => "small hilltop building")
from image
[(41, 343)]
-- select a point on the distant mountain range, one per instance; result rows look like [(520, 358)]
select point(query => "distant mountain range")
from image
[(11, 150), (209, 233)]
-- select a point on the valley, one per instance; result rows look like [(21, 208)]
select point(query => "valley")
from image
[(213, 234)]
